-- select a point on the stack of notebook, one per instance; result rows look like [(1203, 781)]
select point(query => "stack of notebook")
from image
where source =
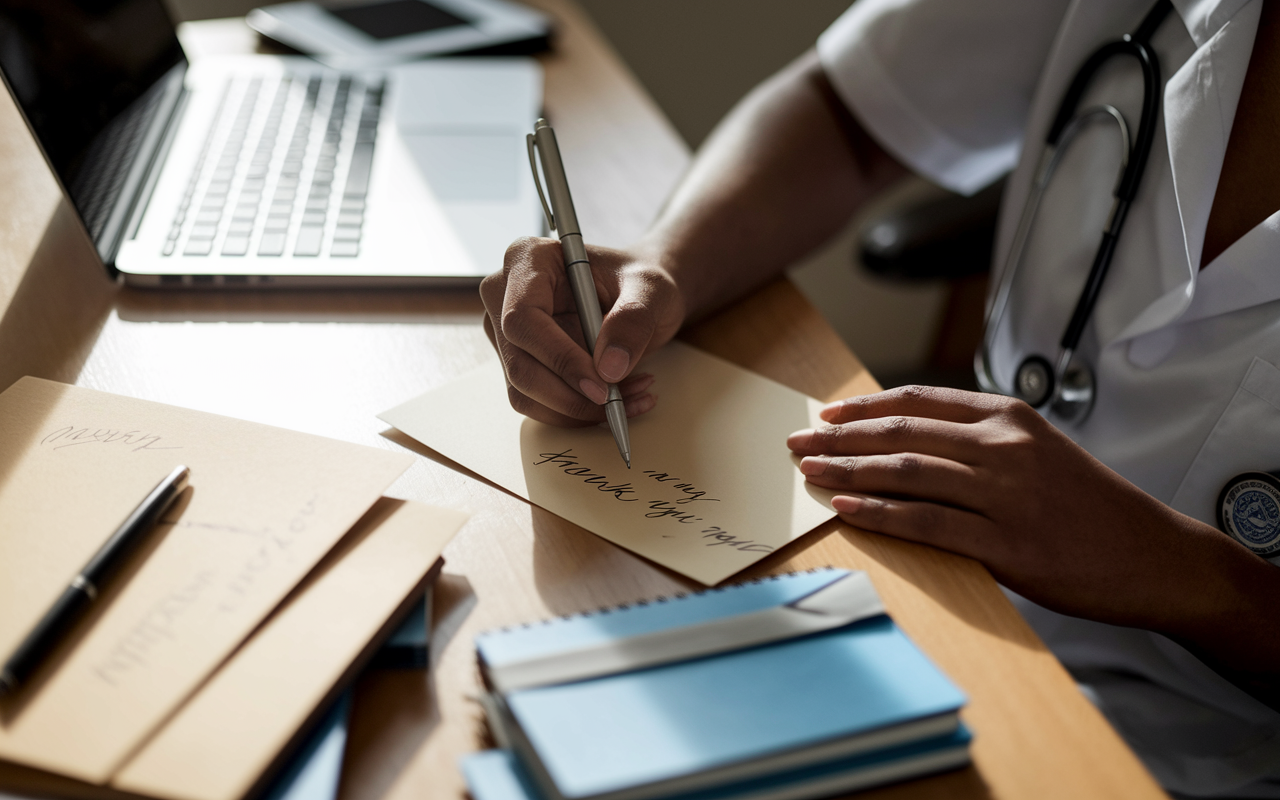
[(794, 687), (236, 627), (314, 771)]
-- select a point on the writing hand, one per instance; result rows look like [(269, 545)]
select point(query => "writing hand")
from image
[(532, 322)]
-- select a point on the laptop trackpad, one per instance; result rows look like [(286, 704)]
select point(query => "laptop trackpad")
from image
[(467, 167)]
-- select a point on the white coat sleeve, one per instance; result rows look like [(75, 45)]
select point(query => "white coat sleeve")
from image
[(943, 85)]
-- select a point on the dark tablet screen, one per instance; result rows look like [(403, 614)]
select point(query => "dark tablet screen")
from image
[(393, 18)]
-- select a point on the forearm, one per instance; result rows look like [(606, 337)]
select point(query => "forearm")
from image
[(778, 177), (1228, 614)]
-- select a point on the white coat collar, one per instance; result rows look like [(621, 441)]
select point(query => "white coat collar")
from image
[(1204, 18), (1199, 107)]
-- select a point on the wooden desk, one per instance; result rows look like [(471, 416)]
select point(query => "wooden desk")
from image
[(327, 362)]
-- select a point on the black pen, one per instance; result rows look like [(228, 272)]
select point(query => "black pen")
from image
[(83, 589)]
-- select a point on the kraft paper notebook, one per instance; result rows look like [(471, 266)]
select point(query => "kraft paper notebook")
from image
[(712, 489), (265, 505), (220, 744)]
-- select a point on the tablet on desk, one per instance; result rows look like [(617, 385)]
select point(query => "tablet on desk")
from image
[(384, 32)]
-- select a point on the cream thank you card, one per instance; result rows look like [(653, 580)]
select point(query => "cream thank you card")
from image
[(712, 489)]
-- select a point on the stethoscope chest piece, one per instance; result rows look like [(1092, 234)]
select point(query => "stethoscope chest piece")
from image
[(1033, 382), (1249, 511), (1069, 397)]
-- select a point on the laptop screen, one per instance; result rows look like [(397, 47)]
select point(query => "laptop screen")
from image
[(81, 70)]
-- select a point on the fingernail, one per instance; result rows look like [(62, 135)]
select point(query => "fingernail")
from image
[(845, 504), (613, 363), (831, 410), (813, 466), (635, 406), (800, 439), (594, 391), (636, 384)]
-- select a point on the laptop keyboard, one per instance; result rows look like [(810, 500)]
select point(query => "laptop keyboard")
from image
[(284, 170), (97, 188)]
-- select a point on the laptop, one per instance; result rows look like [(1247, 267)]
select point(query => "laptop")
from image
[(257, 171)]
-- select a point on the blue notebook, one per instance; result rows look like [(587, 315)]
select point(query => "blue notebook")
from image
[(407, 647), (498, 775), (315, 772), (706, 723)]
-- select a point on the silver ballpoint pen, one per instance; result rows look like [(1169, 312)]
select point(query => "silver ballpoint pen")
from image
[(563, 220)]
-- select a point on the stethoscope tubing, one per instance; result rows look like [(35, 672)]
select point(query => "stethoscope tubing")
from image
[(1049, 161), (1066, 125)]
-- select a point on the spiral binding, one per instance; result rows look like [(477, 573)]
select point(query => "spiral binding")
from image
[(658, 599)]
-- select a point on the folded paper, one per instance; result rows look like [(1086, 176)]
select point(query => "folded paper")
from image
[(712, 489), (264, 506), (219, 744)]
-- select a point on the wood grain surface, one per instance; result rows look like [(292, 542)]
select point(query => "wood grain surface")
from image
[(326, 362)]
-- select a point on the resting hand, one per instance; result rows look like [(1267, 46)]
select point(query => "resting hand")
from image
[(987, 477), (532, 322)]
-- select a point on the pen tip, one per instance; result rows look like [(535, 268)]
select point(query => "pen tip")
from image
[(628, 460)]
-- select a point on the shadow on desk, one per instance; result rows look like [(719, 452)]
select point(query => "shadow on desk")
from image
[(62, 301), (424, 305), (574, 570), (967, 783)]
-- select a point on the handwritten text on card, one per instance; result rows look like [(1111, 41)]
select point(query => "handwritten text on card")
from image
[(674, 509)]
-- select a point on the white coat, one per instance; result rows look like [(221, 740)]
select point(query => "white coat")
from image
[(1187, 361)]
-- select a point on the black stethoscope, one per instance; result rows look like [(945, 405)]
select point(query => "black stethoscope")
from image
[(1067, 386), (1248, 508)]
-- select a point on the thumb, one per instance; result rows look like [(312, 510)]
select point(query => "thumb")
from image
[(625, 334)]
